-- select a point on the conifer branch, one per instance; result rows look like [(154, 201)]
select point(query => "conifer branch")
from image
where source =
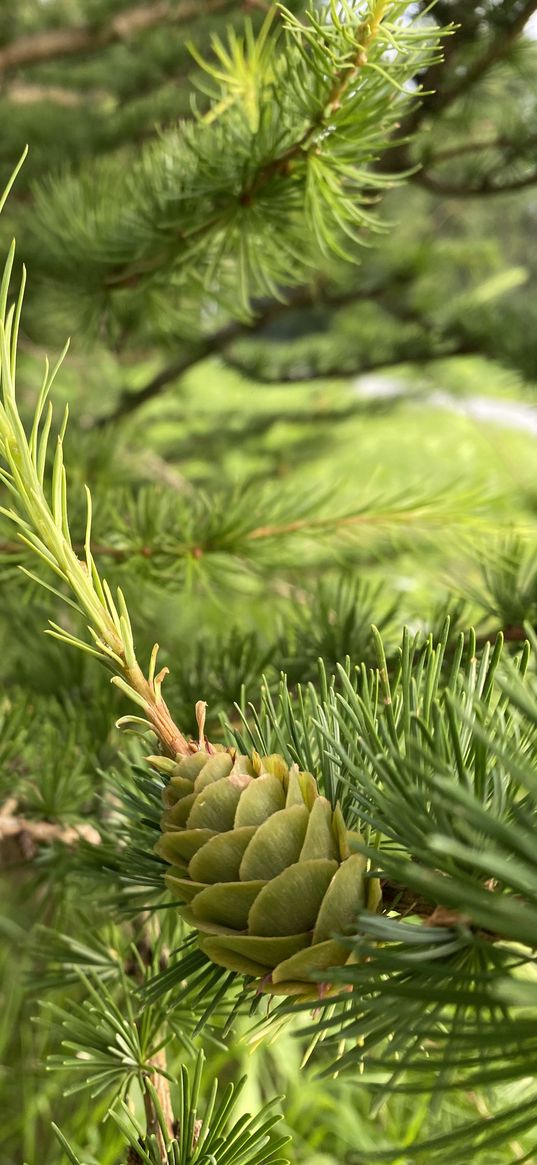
[(217, 344), (497, 51), (282, 164), (486, 187), (242, 201), (198, 544), (445, 82), (336, 372)]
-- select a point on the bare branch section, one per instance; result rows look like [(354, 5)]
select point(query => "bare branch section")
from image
[(21, 93), (216, 345), (483, 189), (497, 143), (336, 372), (21, 836), (162, 1089), (66, 42)]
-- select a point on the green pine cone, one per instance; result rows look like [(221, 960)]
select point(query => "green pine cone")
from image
[(263, 867)]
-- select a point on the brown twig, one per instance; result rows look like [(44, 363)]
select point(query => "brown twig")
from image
[(63, 42), (21, 836), (162, 1089), (406, 902), (22, 93)]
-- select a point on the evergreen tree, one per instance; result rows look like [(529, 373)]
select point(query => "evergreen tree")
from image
[(394, 888)]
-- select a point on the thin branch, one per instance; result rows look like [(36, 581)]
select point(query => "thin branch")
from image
[(21, 836), (311, 525), (130, 401), (303, 297), (501, 142), (23, 93), (484, 189), (258, 533), (304, 525), (438, 92), (162, 1089), (465, 348), (63, 42)]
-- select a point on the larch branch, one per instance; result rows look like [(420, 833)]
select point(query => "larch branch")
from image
[(445, 81), (302, 297), (482, 189)]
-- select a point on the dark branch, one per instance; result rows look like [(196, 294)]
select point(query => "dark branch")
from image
[(445, 81), (465, 348), (281, 166), (485, 188), (216, 344), (500, 143), (130, 401), (498, 49)]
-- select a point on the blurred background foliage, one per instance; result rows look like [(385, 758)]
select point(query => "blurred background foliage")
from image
[(271, 474)]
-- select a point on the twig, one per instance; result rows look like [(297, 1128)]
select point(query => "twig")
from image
[(23, 93), (406, 902), (162, 1089), (482, 189), (63, 42), (308, 296), (445, 81), (313, 525), (501, 142), (24, 835), (465, 348)]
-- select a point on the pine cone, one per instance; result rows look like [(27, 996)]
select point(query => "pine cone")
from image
[(263, 867)]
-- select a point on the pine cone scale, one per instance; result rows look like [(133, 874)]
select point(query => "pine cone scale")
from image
[(291, 902), (219, 860), (276, 844), (229, 903)]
